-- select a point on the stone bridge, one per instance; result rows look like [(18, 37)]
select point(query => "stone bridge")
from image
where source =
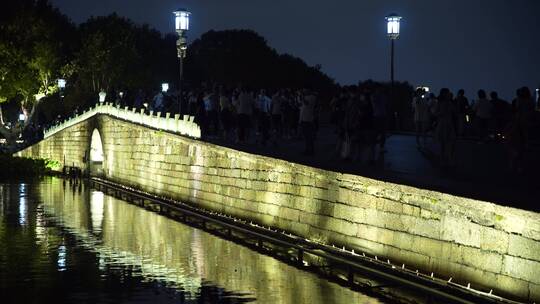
[(476, 242)]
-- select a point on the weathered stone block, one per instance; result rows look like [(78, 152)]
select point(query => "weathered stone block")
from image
[(522, 269), (509, 286), (474, 257), (349, 213), (524, 247), (460, 230)]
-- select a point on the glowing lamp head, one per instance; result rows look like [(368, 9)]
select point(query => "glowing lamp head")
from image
[(102, 96), (182, 20), (61, 83), (164, 87), (392, 25), (22, 117)]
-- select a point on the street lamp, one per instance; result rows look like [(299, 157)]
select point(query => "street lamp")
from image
[(392, 30), (182, 26), (61, 85), (392, 25), (102, 96), (164, 87)]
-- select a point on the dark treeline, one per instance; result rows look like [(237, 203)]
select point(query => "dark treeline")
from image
[(39, 44)]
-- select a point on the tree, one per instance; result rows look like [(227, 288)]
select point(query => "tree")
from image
[(117, 54), (242, 56), (30, 55)]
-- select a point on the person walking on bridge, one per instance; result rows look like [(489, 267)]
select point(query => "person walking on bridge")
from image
[(421, 116), (445, 131), (245, 111)]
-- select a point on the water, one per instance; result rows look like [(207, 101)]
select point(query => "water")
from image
[(68, 243)]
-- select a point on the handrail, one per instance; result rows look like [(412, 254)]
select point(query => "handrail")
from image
[(185, 126), (447, 290)]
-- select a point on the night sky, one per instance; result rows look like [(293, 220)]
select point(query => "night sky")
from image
[(470, 44)]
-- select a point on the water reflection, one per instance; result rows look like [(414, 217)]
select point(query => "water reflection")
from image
[(127, 243), (22, 204)]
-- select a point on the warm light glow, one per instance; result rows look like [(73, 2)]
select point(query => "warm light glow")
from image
[(182, 20), (97, 201), (393, 23), (39, 96), (164, 87), (61, 83), (96, 147)]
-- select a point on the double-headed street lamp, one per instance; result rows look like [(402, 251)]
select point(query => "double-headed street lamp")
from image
[(182, 26)]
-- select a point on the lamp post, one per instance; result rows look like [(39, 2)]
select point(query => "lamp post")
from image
[(392, 26), (61, 86), (182, 26), (392, 22)]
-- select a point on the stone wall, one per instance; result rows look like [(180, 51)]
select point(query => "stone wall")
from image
[(473, 241)]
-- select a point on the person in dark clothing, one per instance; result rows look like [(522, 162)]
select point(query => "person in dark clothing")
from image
[(461, 104), (501, 110), (367, 127)]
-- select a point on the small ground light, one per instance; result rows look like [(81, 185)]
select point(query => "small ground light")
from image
[(102, 96)]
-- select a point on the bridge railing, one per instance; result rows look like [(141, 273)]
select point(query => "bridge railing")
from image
[(184, 126)]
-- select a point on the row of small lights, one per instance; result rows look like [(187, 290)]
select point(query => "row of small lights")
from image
[(292, 236)]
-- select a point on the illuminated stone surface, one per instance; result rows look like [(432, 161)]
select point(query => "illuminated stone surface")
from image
[(472, 241)]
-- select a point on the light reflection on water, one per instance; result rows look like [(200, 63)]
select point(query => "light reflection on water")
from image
[(128, 243)]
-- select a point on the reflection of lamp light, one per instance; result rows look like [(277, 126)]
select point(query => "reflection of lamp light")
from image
[(164, 87), (102, 96), (97, 201)]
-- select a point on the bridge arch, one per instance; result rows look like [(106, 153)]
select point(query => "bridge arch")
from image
[(97, 156)]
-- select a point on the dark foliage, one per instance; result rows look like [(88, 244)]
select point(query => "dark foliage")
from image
[(235, 57)]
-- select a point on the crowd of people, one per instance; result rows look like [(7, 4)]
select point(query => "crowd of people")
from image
[(448, 117), (243, 114), (360, 116), (239, 114)]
